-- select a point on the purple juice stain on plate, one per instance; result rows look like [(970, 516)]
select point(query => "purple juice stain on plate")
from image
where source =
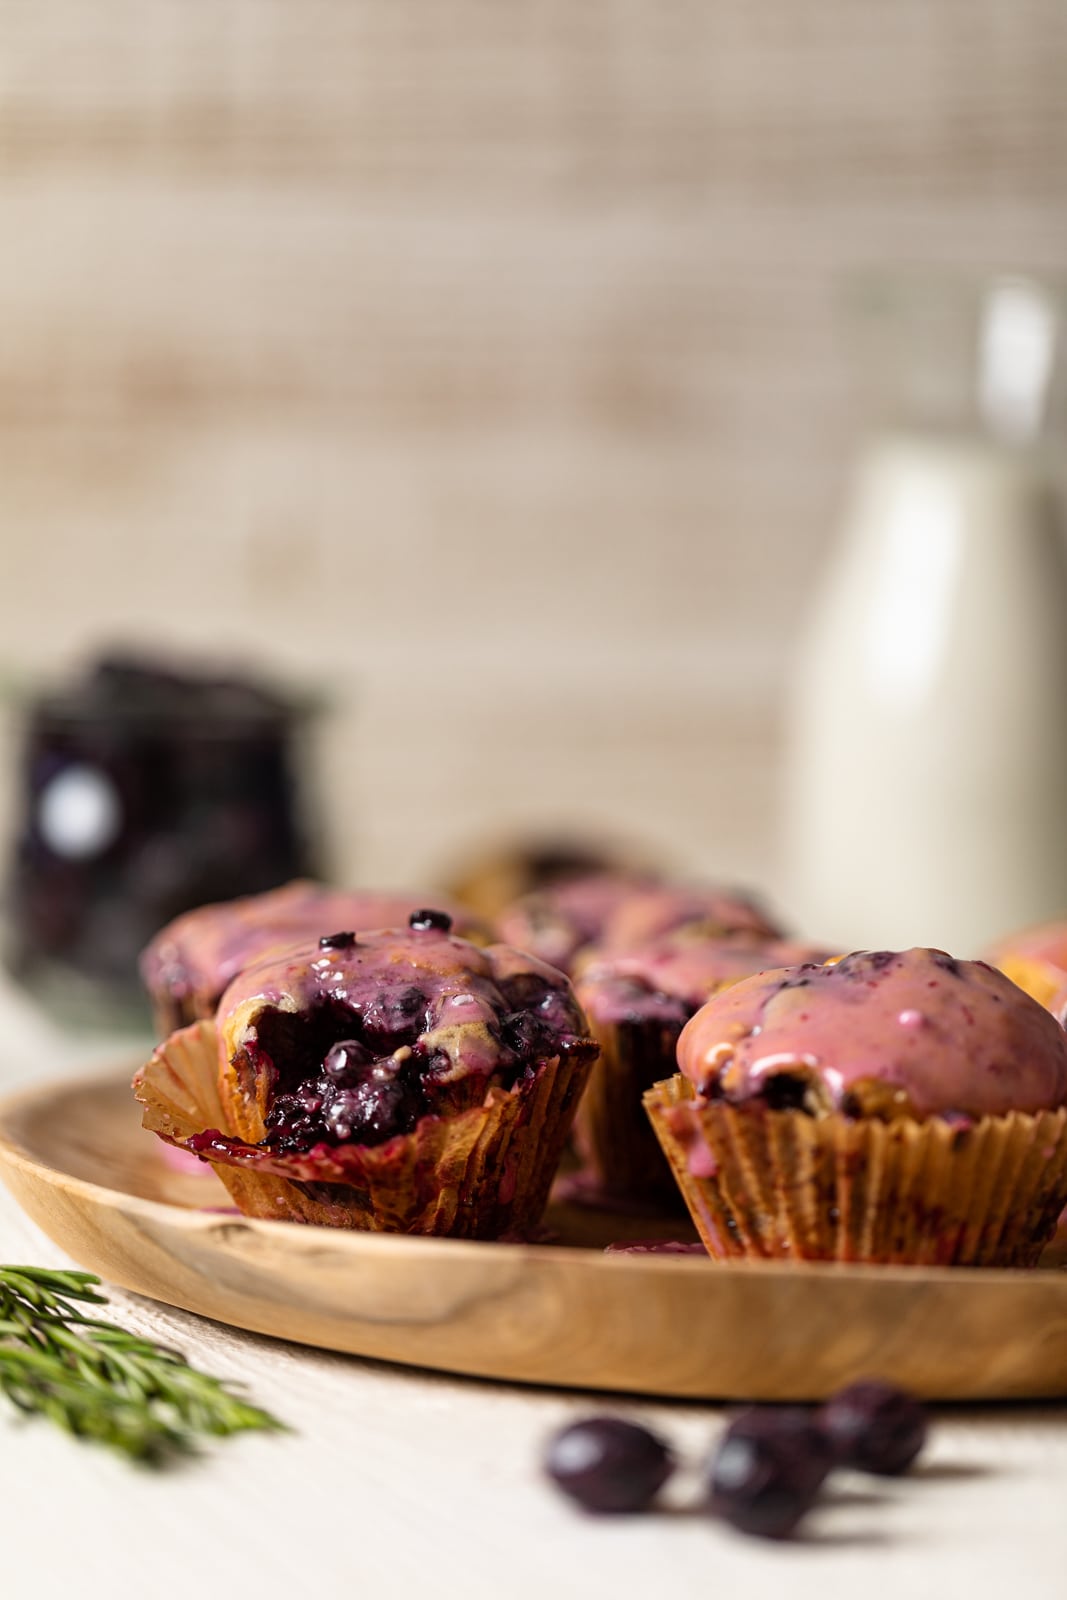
[(655, 1247)]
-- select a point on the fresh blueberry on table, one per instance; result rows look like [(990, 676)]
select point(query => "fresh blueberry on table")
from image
[(875, 1427), (768, 1467), (608, 1464), (767, 1470)]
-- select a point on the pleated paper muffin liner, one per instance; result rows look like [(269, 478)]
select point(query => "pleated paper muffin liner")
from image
[(782, 1185), (612, 1132), (483, 1173)]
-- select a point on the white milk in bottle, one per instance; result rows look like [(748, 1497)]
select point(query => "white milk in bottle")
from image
[(926, 772)]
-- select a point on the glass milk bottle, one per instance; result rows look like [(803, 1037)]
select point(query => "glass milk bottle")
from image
[(926, 770)]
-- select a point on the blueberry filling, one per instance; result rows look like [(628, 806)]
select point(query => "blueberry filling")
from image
[(395, 1017), (380, 1106), (346, 1062), (786, 1091), (366, 1106), (423, 921), (528, 992), (323, 1068), (337, 941), (526, 1034), (363, 1073)]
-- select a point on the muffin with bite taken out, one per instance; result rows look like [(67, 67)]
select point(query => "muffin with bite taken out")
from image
[(402, 1081), (897, 1107)]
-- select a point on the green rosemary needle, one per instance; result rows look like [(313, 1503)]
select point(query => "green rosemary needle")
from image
[(100, 1383)]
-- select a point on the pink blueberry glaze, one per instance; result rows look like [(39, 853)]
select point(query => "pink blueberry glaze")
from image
[(669, 978), (356, 1038), (890, 1033), (620, 909), (554, 923), (199, 953)]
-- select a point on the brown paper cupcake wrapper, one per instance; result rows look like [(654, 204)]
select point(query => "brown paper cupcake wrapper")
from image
[(481, 1174), (611, 1130), (781, 1185)]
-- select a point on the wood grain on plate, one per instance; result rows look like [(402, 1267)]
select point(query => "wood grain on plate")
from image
[(76, 1158)]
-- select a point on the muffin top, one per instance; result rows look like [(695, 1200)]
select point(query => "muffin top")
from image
[(357, 1036), (557, 921), (667, 979), (621, 909), (882, 1033), (200, 952), (711, 912), (495, 877)]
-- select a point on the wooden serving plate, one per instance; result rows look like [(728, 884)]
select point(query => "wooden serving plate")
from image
[(76, 1158)]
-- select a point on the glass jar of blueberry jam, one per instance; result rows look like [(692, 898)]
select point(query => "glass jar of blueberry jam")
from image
[(145, 790)]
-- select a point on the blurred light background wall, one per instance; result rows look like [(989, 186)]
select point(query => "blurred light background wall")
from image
[(480, 362)]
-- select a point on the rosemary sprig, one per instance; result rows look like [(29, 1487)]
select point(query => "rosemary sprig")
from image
[(100, 1383)]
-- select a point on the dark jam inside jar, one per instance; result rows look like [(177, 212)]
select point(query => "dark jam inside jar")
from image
[(146, 790)]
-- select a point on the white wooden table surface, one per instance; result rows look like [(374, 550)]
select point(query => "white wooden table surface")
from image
[(406, 1483)]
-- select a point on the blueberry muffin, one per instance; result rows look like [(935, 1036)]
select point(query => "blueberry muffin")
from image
[(189, 962), (401, 1081), (491, 880), (622, 909), (895, 1107), (638, 1000)]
